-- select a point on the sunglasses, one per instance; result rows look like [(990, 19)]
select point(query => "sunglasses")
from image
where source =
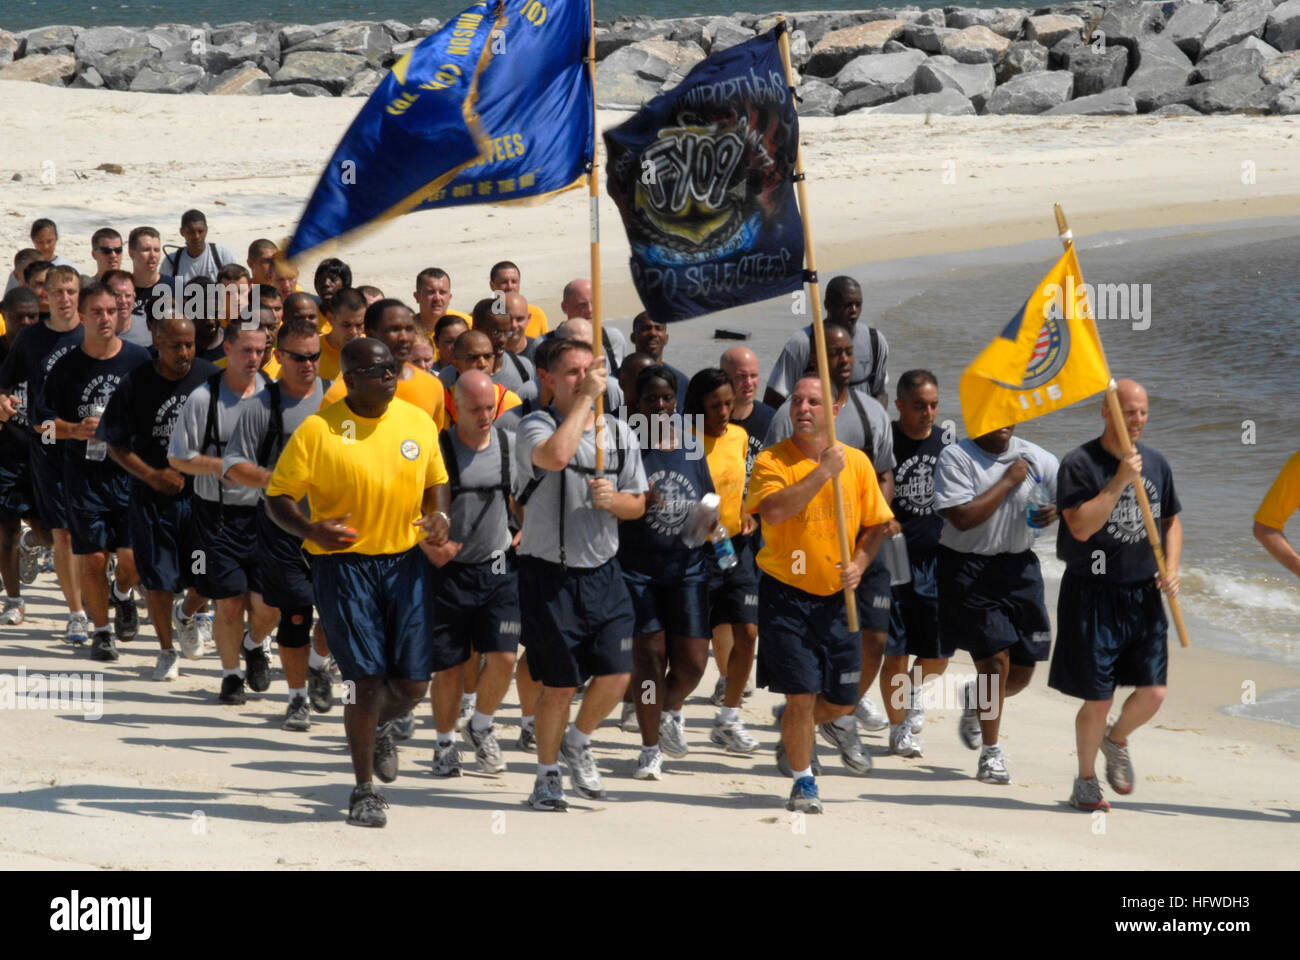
[(302, 357), (112, 250), (376, 371)]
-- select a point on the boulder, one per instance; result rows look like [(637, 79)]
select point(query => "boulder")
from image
[(1282, 29), (923, 36), (364, 83), (974, 45), (120, 68), (8, 47), (88, 79), (1175, 110), (1283, 70), (1288, 100), (894, 46), (1116, 101), (688, 30), (1189, 25), (1031, 93), (292, 34), (232, 48), (1024, 56), (400, 50), (49, 68), (1087, 12), (1095, 72), (1248, 56), (1004, 21), (724, 33), (1049, 29), (947, 103), (838, 47), (369, 40), (819, 98), (300, 90), (611, 40), (1161, 68), (97, 43), (1061, 50), (399, 31), (427, 26), (652, 60), (1126, 21), (877, 78), (1246, 19), (1238, 92), (814, 25), (623, 91), (167, 77), (974, 81), (933, 17), (55, 39), (242, 81), (179, 42), (331, 71)]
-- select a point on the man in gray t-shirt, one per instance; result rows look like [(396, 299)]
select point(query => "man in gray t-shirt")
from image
[(477, 587), (574, 605), (990, 588)]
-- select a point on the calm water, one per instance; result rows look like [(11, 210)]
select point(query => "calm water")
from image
[(23, 14)]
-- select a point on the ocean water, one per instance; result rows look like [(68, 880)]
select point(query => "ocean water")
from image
[(24, 14)]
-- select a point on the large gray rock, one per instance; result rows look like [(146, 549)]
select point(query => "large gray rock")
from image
[(608, 41), (891, 73), (819, 98), (688, 30), (948, 103), (623, 91), (8, 47), (179, 42), (1128, 20), (974, 81), (242, 81), (1116, 101), (399, 31), (53, 69), (1288, 100), (1024, 56), (255, 44), (98, 43), (974, 45), (331, 71), (838, 47), (1247, 19), (1051, 28), (1004, 21), (426, 27), (1282, 29), (1239, 92), (87, 79), (120, 68), (293, 34), (1059, 53), (654, 60), (364, 83), (724, 33), (369, 40), (933, 17), (1095, 72), (54, 39), (1283, 70), (1189, 25), (1248, 56), (1175, 110), (1161, 68), (925, 37), (1031, 93), (814, 25), (167, 77)]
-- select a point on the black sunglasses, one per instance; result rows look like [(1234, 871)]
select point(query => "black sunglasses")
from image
[(376, 371), (117, 249), (302, 357)]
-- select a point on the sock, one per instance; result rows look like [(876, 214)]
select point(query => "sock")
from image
[(846, 722), (645, 751), (446, 739), (248, 642), (800, 774), (120, 596), (480, 721), (103, 629), (314, 660), (297, 692), (576, 737), (232, 672), (728, 714), (989, 748), (544, 768), (676, 715)]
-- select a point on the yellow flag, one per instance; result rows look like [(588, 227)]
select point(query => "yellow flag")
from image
[(1048, 357)]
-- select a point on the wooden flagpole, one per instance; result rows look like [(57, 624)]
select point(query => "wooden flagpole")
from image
[(593, 194), (1126, 442), (819, 339)]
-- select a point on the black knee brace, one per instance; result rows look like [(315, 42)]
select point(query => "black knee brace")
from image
[(295, 628)]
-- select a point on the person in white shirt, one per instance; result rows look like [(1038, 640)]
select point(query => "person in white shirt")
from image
[(197, 258)]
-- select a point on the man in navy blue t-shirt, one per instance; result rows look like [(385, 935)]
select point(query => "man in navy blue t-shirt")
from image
[(1110, 623)]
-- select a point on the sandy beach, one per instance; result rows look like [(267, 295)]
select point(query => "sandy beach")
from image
[(167, 778)]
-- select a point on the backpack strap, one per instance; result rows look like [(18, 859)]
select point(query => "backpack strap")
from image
[(275, 429), (216, 257), (519, 366), (211, 433), (612, 366), (869, 443), (875, 360), (449, 460), (175, 261)]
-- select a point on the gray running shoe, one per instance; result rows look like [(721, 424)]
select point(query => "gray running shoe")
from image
[(902, 743), (627, 721), (650, 765), (168, 666), (993, 766), (404, 726), (14, 612), (804, 797), (1087, 795), (968, 727), (385, 753), (102, 646), (366, 807), (78, 629), (320, 691), (203, 625), (582, 769), (297, 716), (467, 704), (527, 738), (733, 736), (486, 749), (126, 618), (672, 736), (446, 760), (548, 793), (719, 692), (846, 741), (914, 717), (1119, 766), (187, 632), (29, 559), (870, 717)]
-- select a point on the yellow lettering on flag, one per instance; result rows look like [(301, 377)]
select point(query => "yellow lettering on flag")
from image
[(1048, 357)]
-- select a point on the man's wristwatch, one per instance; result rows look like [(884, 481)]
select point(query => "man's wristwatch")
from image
[(445, 519)]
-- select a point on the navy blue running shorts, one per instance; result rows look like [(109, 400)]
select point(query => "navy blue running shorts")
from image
[(874, 597), (804, 645), (579, 622), (228, 539), (733, 593), (914, 616), (16, 496), (161, 530), (47, 486), (283, 568), (98, 507), (988, 604), (475, 607), (679, 608)]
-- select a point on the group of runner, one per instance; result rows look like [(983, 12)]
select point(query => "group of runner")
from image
[(466, 517)]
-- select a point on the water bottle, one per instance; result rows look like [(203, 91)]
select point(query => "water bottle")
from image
[(722, 547), (894, 550), (1038, 499), (703, 518), (96, 449)]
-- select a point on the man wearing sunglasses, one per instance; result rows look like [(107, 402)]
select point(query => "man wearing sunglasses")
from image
[(106, 247), (265, 424), (372, 472)]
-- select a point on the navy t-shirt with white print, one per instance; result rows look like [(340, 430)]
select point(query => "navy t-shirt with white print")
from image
[(652, 544)]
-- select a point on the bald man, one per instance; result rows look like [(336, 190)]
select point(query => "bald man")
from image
[(577, 304), (491, 317), (1111, 624), (472, 353), (580, 330), (741, 365)]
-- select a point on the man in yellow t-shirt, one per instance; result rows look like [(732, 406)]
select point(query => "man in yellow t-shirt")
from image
[(805, 650), (393, 324), (432, 299), (349, 323), (1282, 500), (373, 475)]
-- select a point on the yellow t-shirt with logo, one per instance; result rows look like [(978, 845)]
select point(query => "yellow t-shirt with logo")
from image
[(423, 390), (375, 469), (726, 458), (802, 552), (1283, 498), (537, 324)]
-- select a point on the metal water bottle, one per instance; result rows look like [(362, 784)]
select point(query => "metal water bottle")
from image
[(894, 550)]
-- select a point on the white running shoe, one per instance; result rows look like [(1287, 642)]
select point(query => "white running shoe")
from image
[(468, 703), (14, 612), (168, 666), (914, 716), (78, 629), (203, 626), (968, 727), (993, 765), (187, 632), (901, 741), (672, 736), (870, 717), (650, 765), (733, 736), (627, 721)]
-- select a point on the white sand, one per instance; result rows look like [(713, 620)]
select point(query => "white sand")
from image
[(169, 778)]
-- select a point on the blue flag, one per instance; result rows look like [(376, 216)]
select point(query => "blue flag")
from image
[(535, 108), (703, 178), (412, 136)]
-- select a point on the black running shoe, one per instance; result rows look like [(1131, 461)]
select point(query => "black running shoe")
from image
[(297, 716), (366, 807), (102, 646), (257, 667), (385, 754), (319, 689), (232, 690), (126, 618)]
